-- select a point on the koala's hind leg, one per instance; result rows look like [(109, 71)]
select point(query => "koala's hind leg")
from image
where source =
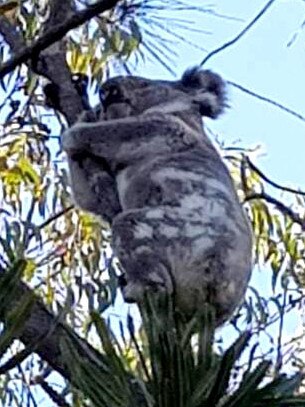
[(139, 253)]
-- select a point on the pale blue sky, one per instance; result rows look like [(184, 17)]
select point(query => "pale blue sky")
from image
[(264, 63)]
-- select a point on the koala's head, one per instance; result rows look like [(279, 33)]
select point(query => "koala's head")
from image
[(198, 90)]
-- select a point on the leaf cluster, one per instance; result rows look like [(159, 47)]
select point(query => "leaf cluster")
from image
[(177, 366)]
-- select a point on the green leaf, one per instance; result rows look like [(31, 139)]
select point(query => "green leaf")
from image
[(114, 360), (29, 270), (28, 171), (244, 394), (279, 387), (227, 362), (116, 41)]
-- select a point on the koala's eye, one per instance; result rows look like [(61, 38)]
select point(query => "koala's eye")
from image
[(113, 91), (113, 95)]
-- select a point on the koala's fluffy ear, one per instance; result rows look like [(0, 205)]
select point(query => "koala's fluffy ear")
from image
[(206, 89)]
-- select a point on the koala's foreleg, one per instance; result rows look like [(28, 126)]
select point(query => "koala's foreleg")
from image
[(108, 139), (94, 189)]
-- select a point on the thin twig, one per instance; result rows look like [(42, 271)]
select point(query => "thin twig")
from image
[(238, 36), (56, 33), (52, 219), (269, 181), (56, 216), (267, 100), (15, 360), (54, 395), (280, 206), (279, 348)]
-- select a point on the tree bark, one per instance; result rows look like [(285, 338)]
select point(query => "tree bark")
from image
[(43, 331)]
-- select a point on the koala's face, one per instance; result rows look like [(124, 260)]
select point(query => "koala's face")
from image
[(201, 91), (131, 96)]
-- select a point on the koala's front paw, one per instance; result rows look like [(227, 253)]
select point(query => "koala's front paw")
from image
[(73, 140)]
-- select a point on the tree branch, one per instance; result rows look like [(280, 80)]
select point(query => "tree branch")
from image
[(51, 219), (267, 100), (43, 333), (280, 206), (268, 180), (57, 399), (56, 33), (238, 36)]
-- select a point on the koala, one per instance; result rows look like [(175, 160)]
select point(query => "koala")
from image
[(143, 162)]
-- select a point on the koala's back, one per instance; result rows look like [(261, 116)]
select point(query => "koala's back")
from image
[(190, 219)]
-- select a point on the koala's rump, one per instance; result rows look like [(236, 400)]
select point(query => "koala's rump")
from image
[(186, 212), (208, 258)]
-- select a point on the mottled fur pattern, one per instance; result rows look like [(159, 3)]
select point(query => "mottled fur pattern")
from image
[(145, 164)]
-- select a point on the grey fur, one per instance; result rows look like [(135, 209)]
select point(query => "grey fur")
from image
[(145, 164)]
